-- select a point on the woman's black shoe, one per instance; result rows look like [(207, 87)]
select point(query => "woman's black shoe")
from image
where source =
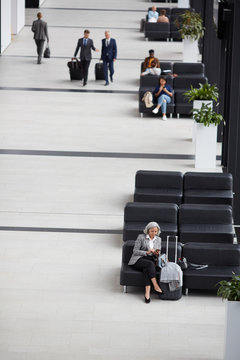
[(147, 301)]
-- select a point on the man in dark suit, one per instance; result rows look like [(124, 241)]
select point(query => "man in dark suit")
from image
[(109, 55), (40, 30), (85, 44)]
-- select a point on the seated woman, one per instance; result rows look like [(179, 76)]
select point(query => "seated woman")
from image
[(153, 70), (146, 246), (163, 92), (162, 17)]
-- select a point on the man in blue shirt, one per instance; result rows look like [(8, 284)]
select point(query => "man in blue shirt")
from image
[(153, 14)]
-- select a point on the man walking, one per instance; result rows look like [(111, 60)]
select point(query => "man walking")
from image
[(40, 30), (109, 55), (85, 44)]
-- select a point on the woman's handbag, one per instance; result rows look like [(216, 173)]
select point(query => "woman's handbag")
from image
[(182, 262), (47, 52)]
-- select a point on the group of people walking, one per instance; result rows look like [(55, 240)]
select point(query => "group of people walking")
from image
[(85, 45)]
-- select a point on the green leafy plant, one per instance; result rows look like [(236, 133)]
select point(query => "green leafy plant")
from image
[(230, 290), (207, 116), (204, 92), (190, 25)]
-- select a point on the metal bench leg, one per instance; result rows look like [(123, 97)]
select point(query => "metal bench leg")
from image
[(178, 116), (186, 291), (125, 289), (141, 115), (170, 115)]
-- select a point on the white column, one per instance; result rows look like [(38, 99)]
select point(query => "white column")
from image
[(183, 4), (18, 15), (5, 24)]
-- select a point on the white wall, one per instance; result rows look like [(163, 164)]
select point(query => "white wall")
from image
[(18, 15), (41, 2), (5, 24)]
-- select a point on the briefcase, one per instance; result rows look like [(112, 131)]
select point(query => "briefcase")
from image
[(99, 73), (75, 69)]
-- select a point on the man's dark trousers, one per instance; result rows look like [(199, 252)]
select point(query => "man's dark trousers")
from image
[(85, 65), (40, 45), (108, 64)]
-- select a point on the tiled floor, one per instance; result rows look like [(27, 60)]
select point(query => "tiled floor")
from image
[(60, 296)]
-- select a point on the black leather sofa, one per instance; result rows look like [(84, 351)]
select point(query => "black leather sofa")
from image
[(159, 186), (157, 31), (192, 70), (181, 84), (138, 214), (222, 261), (208, 188), (205, 223), (132, 277)]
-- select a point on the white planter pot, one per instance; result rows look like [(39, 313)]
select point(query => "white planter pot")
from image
[(190, 50), (205, 146), (183, 3), (197, 104), (232, 331)]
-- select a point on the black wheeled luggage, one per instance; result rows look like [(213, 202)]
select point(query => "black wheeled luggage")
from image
[(99, 73), (167, 294), (75, 69)]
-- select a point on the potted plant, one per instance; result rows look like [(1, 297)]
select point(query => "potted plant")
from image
[(205, 94), (230, 290), (206, 136), (191, 28)]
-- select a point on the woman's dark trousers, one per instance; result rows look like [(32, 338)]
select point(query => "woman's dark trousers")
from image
[(147, 265)]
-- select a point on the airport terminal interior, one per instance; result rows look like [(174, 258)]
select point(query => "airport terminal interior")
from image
[(68, 163)]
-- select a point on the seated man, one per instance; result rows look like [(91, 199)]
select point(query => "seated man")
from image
[(153, 14), (153, 70), (162, 17), (148, 61)]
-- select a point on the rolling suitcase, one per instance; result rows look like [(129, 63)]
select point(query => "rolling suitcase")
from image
[(75, 69), (167, 294), (99, 73)]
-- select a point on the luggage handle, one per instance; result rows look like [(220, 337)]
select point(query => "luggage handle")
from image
[(167, 244)]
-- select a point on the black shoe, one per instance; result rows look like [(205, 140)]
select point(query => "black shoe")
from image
[(84, 83), (147, 301), (111, 78), (106, 83)]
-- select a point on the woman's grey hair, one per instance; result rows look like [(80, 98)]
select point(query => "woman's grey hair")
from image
[(150, 225)]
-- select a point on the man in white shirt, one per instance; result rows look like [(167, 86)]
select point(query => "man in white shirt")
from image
[(153, 14), (108, 55)]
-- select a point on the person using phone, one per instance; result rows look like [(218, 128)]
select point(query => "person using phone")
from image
[(147, 247), (163, 92)]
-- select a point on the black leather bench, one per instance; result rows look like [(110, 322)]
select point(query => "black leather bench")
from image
[(222, 261), (205, 223), (208, 188), (159, 186), (138, 214)]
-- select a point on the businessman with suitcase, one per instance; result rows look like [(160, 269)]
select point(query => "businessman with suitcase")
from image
[(40, 30), (108, 55), (86, 45)]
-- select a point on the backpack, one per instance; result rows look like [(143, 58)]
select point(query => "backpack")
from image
[(148, 99)]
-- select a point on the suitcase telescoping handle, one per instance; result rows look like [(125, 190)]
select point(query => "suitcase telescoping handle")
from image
[(167, 244)]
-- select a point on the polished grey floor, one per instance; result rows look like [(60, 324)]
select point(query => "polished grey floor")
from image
[(60, 296)]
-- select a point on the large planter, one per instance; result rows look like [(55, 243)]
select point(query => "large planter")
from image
[(197, 104), (190, 50), (205, 146), (232, 331), (183, 3)]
